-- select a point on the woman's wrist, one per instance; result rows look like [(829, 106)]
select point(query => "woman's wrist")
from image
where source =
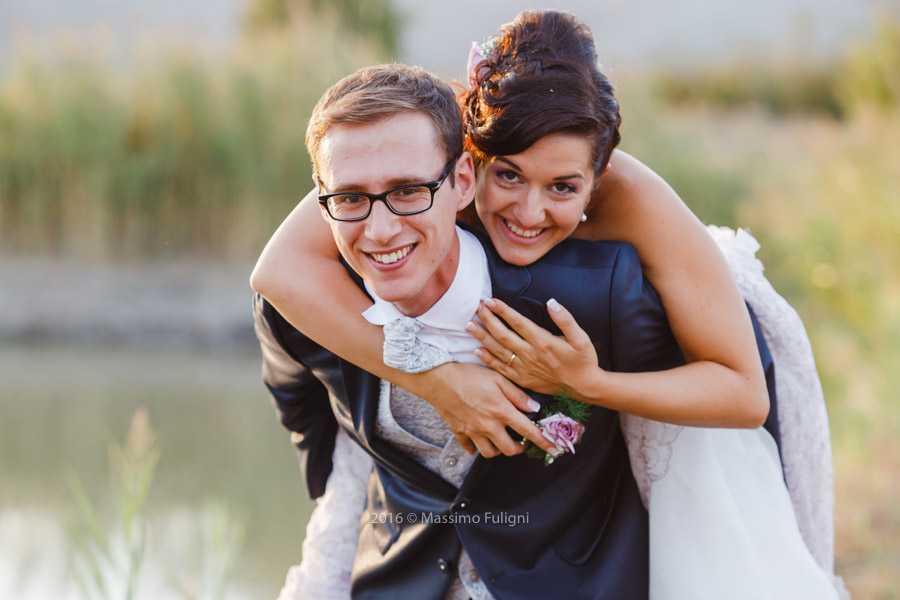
[(591, 387), (424, 384)]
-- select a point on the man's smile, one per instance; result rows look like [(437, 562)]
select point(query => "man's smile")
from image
[(387, 258)]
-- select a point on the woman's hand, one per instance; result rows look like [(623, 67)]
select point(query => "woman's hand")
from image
[(478, 405), (543, 362)]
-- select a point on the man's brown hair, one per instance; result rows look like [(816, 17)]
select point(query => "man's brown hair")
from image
[(379, 92)]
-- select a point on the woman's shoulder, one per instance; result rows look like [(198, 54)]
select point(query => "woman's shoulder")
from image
[(631, 196), (634, 204)]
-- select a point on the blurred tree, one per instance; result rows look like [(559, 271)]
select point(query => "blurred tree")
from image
[(376, 20), (870, 75)]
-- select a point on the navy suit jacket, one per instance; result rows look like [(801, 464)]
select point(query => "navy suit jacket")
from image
[(575, 529)]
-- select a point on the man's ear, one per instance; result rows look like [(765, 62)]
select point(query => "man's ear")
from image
[(465, 180)]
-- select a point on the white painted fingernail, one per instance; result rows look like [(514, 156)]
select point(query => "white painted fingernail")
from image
[(533, 405), (553, 305)]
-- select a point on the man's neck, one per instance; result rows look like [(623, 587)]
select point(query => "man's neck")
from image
[(436, 287)]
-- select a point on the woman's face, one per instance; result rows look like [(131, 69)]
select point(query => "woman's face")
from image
[(531, 201)]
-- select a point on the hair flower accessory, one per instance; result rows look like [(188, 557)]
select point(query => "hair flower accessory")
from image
[(477, 54), (562, 422)]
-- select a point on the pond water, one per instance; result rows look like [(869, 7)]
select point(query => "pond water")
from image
[(224, 459)]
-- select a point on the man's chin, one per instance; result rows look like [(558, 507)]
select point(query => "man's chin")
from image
[(389, 291)]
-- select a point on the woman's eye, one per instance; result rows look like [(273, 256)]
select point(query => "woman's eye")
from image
[(564, 188), (508, 176)]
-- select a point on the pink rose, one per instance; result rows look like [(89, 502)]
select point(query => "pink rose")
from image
[(563, 431)]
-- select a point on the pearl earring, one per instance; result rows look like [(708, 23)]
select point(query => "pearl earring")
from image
[(583, 218)]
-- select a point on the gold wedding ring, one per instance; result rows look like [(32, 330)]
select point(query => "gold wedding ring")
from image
[(511, 359)]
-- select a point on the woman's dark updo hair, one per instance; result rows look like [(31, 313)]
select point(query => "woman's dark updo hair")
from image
[(541, 77)]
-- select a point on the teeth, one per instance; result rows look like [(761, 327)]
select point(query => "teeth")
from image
[(528, 233), (393, 257)]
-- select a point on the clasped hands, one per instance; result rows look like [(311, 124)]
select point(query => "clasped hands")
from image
[(480, 404)]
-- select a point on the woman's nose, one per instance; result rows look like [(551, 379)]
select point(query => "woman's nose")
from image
[(530, 210)]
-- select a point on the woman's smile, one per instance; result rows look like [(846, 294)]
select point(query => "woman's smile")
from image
[(525, 233)]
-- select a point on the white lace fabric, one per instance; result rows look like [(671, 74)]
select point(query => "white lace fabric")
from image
[(802, 416), (333, 529)]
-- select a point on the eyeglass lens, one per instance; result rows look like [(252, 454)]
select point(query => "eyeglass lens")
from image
[(405, 200)]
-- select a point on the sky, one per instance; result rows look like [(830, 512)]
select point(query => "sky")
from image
[(630, 34)]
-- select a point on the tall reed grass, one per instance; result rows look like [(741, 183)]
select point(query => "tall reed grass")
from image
[(118, 560), (183, 154)]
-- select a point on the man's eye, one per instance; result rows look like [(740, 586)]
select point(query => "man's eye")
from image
[(350, 200)]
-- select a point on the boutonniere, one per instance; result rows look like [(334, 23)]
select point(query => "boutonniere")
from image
[(562, 422)]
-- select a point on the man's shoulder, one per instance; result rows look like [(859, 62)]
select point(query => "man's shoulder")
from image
[(606, 254)]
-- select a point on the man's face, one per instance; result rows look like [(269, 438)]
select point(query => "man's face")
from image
[(407, 260)]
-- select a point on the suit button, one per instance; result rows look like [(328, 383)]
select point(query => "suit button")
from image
[(443, 565), (463, 505)]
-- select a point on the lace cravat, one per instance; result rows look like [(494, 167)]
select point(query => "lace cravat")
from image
[(405, 352)]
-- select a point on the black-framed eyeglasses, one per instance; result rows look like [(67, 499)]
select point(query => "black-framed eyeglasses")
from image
[(407, 199)]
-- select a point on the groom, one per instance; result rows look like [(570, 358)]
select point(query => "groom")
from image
[(574, 529)]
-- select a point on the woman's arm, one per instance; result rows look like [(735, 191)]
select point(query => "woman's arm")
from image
[(723, 383), (299, 274)]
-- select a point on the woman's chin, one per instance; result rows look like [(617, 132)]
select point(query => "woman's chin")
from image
[(517, 259), (518, 250), (518, 255)]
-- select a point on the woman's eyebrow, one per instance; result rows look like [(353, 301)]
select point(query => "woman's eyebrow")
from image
[(560, 178), (510, 163)]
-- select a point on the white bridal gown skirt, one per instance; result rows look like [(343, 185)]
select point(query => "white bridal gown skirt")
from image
[(722, 524)]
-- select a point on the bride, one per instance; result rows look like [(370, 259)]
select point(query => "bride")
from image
[(722, 521)]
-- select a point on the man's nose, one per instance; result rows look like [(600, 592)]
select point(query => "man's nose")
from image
[(530, 210), (382, 224)]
